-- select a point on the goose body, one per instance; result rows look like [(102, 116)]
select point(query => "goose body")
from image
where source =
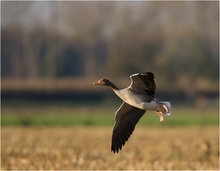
[(137, 98)]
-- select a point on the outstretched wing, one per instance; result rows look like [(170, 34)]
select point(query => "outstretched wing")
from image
[(126, 119), (143, 82)]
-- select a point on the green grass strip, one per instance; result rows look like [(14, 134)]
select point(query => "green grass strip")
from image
[(149, 119)]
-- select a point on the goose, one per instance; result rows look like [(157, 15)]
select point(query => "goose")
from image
[(137, 98)]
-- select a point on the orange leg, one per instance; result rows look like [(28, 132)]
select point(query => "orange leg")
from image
[(160, 115), (166, 108)]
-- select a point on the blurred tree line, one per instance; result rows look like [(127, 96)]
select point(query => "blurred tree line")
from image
[(176, 40)]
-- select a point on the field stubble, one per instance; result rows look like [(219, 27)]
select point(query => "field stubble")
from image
[(89, 148)]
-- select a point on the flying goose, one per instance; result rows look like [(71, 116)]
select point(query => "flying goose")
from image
[(137, 98)]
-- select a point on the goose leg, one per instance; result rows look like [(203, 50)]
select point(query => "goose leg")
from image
[(166, 108), (160, 115)]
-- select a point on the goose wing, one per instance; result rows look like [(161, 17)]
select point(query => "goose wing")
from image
[(143, 82), (126, 118)]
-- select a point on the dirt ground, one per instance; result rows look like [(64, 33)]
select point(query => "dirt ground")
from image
[(72, 148)]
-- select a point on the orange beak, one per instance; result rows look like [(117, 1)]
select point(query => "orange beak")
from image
[(97, 83)]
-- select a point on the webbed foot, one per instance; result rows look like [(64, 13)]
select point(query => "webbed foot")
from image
[(160, 115)]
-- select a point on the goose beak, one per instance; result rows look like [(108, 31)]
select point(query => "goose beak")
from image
[(97, 83)]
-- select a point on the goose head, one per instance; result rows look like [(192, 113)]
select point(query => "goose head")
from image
[(105, 82)]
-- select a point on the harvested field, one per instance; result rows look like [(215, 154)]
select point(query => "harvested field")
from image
[(89, 148)]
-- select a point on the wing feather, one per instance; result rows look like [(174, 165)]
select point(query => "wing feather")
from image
[(126, 119), (143, 82)]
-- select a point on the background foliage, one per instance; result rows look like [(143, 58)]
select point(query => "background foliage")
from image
[(78, 39)]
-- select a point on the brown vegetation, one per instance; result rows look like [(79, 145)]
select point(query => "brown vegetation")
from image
[(89, 148)]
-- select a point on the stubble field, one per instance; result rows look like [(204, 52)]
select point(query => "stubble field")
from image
[(78, 147)]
